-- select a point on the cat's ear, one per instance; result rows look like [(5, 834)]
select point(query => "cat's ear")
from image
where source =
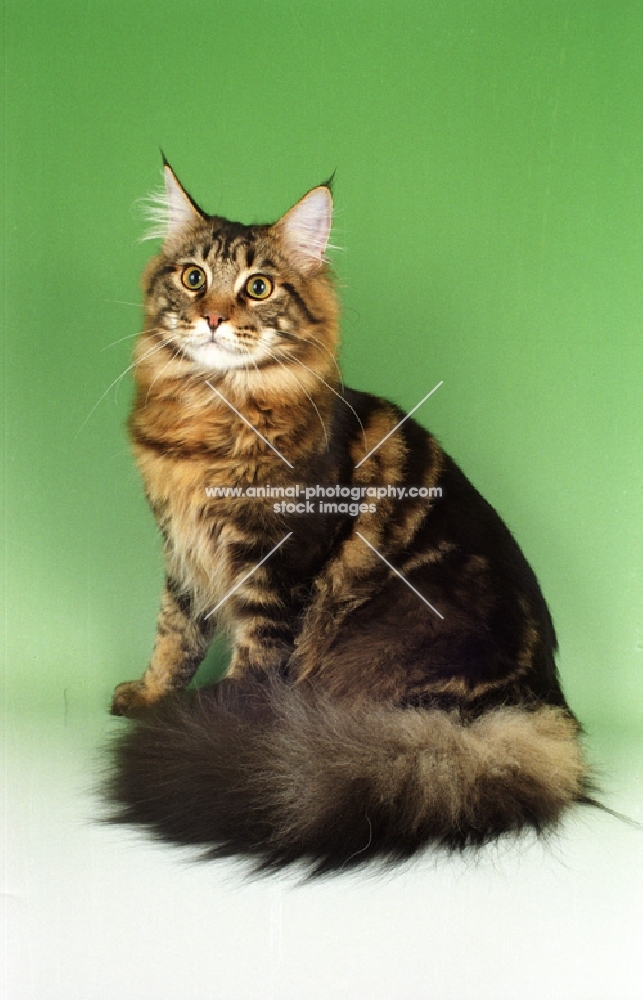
[(304, 230), (171, 210)]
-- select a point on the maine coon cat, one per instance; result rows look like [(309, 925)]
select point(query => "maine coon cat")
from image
[(392, 682)]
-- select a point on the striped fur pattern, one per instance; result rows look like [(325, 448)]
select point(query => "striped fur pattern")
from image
[(354, 722)]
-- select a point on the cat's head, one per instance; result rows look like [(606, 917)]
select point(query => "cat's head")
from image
[(222, 296)]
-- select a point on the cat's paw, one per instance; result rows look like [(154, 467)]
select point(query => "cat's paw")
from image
[(130, 697)]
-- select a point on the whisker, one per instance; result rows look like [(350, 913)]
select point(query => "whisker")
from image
[(330, 353), (312, 401), (175, 354), (122, 302), (259, 374), (338, 394), (245, 365), (258, 370), (157, 347), (127, 336), (147, 354)]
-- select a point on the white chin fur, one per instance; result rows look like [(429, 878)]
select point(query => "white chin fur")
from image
[(214, 358)]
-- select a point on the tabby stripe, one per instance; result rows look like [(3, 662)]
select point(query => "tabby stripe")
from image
[(237, 243), (233, 236), (419, 455), (170, 450), (183, 601), (248, 609), (274, 631), (292, 291)]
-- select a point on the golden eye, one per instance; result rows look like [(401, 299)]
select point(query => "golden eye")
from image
[(193, 277), (259, 286)]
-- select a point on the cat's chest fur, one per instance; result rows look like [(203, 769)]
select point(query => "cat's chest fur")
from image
[(200, 529)]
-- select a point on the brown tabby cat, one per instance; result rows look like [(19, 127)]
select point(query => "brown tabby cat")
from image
[(392, 682)]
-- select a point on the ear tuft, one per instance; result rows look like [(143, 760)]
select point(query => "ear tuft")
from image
[(305, 229), (171, 209)]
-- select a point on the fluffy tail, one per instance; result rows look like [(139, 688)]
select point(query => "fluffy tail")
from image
[(281, 774)]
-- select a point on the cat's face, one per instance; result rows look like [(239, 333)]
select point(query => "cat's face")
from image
[(222, 295)]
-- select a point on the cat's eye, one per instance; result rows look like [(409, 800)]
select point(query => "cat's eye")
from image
[(193, 277), (259, 286)]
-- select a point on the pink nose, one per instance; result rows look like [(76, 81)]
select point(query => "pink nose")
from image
[(214, 320)]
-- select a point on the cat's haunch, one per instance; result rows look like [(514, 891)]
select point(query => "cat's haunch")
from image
[(392, 683)]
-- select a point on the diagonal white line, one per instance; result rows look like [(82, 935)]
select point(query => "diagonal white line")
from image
[(246, 421), (386, 436), (243, 580), (397, 573)]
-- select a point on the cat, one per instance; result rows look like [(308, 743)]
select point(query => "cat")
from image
[(392, 683)]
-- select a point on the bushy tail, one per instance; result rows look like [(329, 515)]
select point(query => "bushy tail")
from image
[(282, 774)]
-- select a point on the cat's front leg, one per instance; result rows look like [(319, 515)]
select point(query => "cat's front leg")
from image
[(263, 640), (181, 642), (259, 645)]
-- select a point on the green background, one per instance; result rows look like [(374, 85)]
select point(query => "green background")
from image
[(488, 215), (488, 210)]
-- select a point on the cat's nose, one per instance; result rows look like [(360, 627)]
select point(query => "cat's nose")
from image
[(214, 320)]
